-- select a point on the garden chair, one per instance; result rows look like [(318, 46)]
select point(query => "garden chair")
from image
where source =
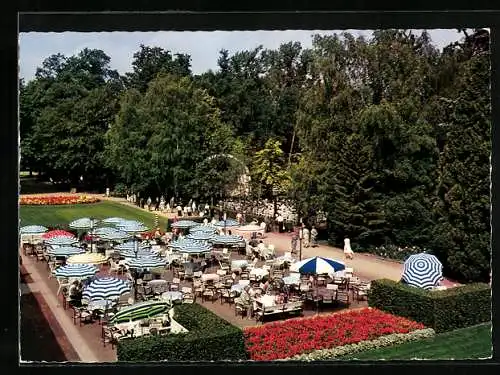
[(63, 283), (81, 314), (221, 272), (240, 308), (188, 296), (174, 285), (224, 266), (208, 293), (343, 297)]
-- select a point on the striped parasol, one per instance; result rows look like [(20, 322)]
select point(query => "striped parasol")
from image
[(141, 310), (130, 245), (184, 224), (227, 240), (185, 242), (146, 262), (105, 230), (422, 270), (203, 228), (132, 228), (227, 223), (105, 288), (317, 265), (76, 271), (33, 229), (65, 251), (87, 258), (200, 236), (84, 223), (57, 233), (114, 220), (140, 253), (62, 241), (117, 235), (195, 247)]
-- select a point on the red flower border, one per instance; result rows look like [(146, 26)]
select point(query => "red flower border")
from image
[(287, 338), (55, 200)]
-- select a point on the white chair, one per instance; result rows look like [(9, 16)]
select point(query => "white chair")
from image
[(221, 272), (63, 283), (332, 286)]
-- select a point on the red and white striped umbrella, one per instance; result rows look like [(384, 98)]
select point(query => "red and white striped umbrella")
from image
[(57, 233)]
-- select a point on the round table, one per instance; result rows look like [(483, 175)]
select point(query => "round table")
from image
[(171, 296)]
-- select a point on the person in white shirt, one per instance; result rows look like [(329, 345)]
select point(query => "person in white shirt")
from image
[(349, 254), (279, 220), (263, 226)]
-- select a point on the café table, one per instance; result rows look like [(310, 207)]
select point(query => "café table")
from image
[(172, 296), (210, 277)]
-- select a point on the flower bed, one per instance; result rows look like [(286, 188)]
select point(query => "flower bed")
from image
[(57, 200), (305, 335)]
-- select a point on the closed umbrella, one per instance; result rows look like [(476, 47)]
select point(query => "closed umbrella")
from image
[(141, 310), (76, 271), (65, 251), (87, 258), (422, 270), (105, 288), (317, 265)]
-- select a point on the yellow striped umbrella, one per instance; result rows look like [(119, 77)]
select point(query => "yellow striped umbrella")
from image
[(87, 258)]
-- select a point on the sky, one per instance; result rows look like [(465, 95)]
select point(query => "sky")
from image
[(203, 46)]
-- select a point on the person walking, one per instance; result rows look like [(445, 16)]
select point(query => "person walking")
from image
[(314, 235), (295, 239), (305, 234), (148, 202), (348, 253), (281, 226)]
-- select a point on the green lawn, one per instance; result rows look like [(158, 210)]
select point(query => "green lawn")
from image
[(466, 343), (62, 215)]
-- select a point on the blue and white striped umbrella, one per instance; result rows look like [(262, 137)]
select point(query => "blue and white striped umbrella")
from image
[(227, 223), (140, 253), (114, 220), (203, 228), (84, 223), (105, 288), (185, 242), (195, 247), (76, 271), (130, 245), (62, 241), (104, 230), (65, 251), (145, 262), (33, 229), (132, 228), (184, 224), (317, 265), (117, 235), (128, 222), (227, 240), (200, 236), (422, 270)]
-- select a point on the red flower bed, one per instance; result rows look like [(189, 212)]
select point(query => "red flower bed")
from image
[(302, 335), (57, 200)]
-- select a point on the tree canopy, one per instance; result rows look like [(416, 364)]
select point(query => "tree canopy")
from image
[(389, 136)]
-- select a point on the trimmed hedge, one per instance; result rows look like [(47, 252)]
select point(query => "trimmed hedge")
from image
[(210, 338), (443, 310), (380, 342)]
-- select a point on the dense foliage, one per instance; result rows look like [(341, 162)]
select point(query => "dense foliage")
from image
[(389, 136), (210, 338), (444, 310)]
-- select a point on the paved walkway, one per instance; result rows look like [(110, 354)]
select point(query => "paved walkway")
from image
[(70, 330)]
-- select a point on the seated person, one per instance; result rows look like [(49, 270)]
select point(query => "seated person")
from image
[(75, 293)]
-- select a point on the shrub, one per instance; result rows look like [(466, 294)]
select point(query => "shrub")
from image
[(380, 342), (443, 310), (210, 338)]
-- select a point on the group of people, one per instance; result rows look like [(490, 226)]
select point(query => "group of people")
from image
[(308, 238)]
